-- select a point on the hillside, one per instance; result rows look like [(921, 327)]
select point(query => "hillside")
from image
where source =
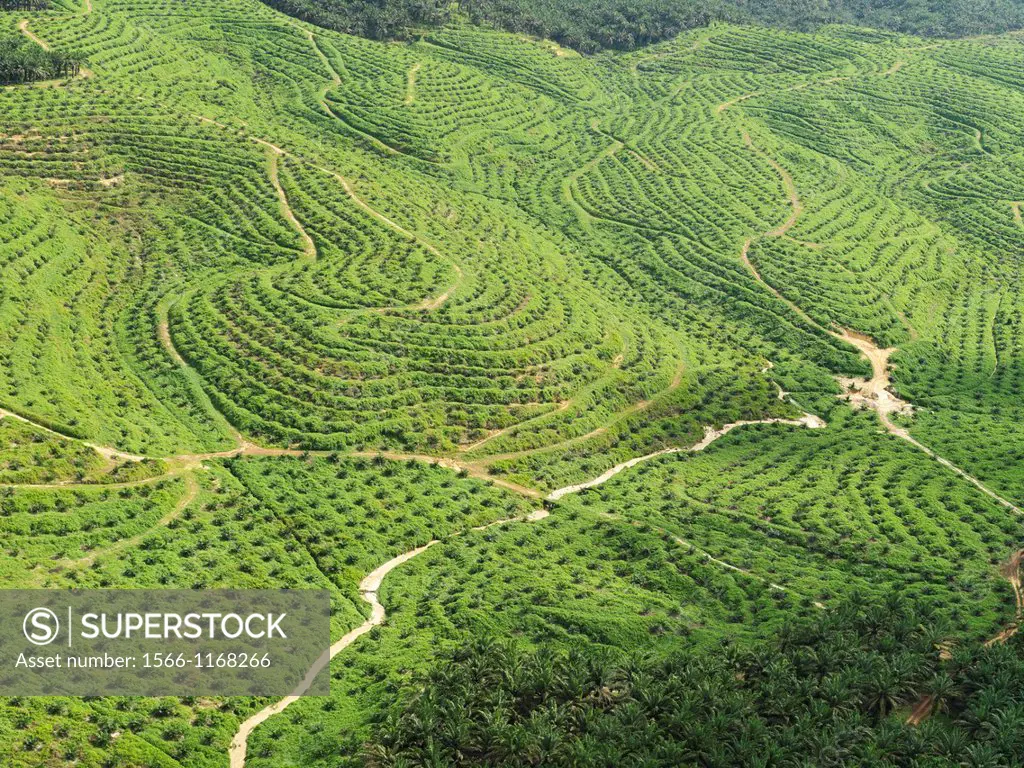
[(652, 353), (826, 696), (594, 25)]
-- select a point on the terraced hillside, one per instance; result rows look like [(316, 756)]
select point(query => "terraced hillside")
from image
[(283, 307)]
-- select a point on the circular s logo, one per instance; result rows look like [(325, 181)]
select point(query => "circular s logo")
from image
[(41, 626)]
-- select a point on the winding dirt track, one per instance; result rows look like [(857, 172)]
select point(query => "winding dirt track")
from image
[(711, 434), (368, 589), (370, 585), (335, 77), (308, 246), (429, 303), (111, 454), (23, 28), (83, 72), (874, 393), (789, 185), (745, 258)]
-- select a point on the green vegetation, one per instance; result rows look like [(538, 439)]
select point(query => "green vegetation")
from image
[(570, 580), (29, 455), (24, 5), (279, 304), (942, 18), (830, 692), (49, 529), (821, 512), (592, 25), (22, 61), (281, 522), (353, 515)]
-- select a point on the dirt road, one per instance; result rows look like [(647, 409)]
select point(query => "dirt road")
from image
[(368, 589), (711, 434)]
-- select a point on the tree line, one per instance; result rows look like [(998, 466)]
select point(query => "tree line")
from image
[(592, 25), (383, 20), (24, 5), (933, 18), (23, 62), (866, 683)]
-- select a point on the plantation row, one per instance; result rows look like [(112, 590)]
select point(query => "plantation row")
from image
[(305, 379), (48, 530), (623, 164), (576, 580), (272, 523), (24, 5), (475, 246), (30, 455), (823, 512), (240, 216), (943, 276), (62, 363)]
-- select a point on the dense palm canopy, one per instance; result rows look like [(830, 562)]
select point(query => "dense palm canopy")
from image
[(833, 691), (22, 61), (592, 25)]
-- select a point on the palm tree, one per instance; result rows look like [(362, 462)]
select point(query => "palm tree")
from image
[(883, 692), (981, 755), (943, 690)]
